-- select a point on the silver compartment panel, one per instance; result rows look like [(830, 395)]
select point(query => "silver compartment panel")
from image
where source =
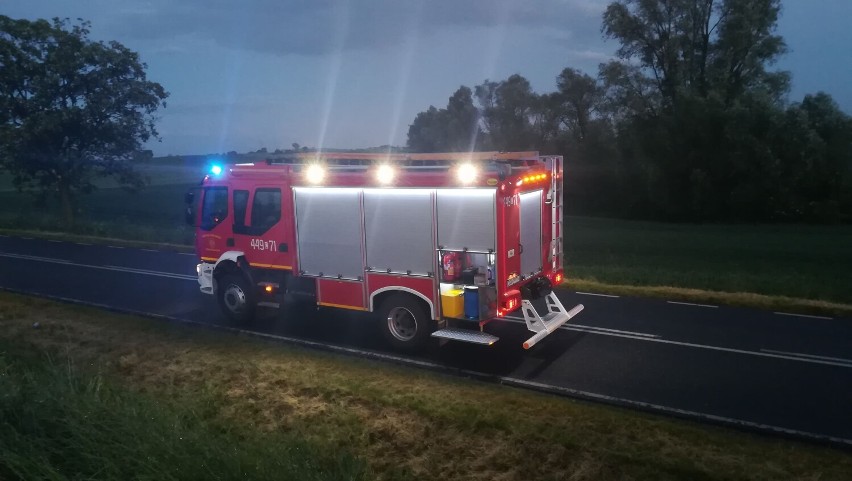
[(530, 212), (328, 230), (466, 219), (399, 230)]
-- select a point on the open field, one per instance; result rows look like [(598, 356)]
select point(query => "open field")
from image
[(810, 262), (400, 423), (795, 261), (155, 214)]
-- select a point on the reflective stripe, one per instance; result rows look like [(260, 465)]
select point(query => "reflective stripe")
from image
[(272, 266), (342, 306)]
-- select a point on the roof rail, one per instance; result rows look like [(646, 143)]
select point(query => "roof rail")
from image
[(360, 158)]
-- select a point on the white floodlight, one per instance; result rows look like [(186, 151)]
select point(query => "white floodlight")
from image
[(385, 174), (467, 173), (315, 173)]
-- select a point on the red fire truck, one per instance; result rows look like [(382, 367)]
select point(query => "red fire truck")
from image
[(439, 245)]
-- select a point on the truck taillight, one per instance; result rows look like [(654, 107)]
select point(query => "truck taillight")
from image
[(557, 279), (511, 301)]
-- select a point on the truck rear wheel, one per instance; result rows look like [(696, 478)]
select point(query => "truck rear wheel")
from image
[(404, 322), (236, 298)]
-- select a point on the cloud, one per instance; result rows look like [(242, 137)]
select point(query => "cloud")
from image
[(317, 27)]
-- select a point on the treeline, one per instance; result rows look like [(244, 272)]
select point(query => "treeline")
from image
[(687, 123)]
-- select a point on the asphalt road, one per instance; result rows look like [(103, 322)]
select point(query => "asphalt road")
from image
[(756, 369)]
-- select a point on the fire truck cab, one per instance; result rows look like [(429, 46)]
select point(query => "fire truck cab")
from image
[(439, 245)]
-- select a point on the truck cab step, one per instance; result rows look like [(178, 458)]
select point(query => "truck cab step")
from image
[(466, 335)]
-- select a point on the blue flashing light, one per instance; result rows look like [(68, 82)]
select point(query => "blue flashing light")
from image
[(216, 169)]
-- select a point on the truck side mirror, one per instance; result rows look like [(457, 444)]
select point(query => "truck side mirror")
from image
[(189, 199)]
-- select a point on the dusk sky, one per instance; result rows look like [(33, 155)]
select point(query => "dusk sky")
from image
[(354, 73)]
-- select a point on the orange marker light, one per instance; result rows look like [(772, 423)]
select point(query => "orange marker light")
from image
[(268, 288)]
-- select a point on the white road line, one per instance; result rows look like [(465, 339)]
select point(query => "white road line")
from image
[(186, 254), (54, 241), (584, 328), (594, 294), (691, 304), (115, 247), (813, 356), (645, 337), (803, 315), (82, 244), (148, 272), (149, 250), (129, 270), (27, 238), (665, 409)]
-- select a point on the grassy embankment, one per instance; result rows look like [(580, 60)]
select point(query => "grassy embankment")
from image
[(783, 267), (798, 267), (124, 396)]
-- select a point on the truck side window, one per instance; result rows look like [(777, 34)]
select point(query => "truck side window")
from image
[(266, 209), (214, 209), (240, 205)]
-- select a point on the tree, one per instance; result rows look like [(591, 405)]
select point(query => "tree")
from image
[(689, 71), (509, 109), (581, 98), (453, 129), (71, 109), (700, 47), (462, 119), (427, 133)]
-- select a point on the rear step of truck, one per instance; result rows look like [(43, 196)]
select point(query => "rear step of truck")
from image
[(466, 335), (554, 319)]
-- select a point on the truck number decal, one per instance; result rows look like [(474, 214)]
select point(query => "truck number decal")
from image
[(264, 245), (512, 200)]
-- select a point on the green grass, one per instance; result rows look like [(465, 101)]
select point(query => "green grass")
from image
[(58, 423), (810, 262), (239, 402), (155, 214)]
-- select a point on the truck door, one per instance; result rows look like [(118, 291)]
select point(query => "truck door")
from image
[(530, 213), (259, 229), (210, 242)]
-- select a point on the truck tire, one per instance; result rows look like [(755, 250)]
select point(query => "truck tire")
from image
[(236, 298), (404, 322)]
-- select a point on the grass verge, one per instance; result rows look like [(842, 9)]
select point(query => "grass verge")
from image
[(91, 239), (740, 299), (402, 423), (57, 423)]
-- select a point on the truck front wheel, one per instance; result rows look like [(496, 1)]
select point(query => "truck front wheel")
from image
[(236, 299), (405, 323)]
